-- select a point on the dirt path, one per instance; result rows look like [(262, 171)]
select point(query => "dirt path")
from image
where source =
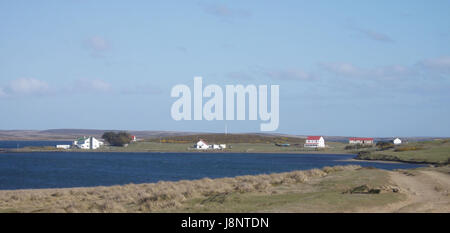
[(427, 191)]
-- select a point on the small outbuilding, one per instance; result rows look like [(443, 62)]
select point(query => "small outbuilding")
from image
[(397, 141), (65, 147)]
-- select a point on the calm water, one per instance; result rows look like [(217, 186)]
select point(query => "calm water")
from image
[(71, 169), (21, 144)]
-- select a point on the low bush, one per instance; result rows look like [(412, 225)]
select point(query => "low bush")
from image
[(357, 146), (385, 145), (408, 148)]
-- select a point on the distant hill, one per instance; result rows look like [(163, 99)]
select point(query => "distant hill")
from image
[(69, 134), (231, 138)]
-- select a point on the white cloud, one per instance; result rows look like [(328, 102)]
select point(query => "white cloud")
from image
[(2, 93), (338, 68), (100, 85), (378, 36), (97, 45), (371, 34), (26, 86), (95, 85), (437, 64), (393, 71), (144, 89), (31, 87)]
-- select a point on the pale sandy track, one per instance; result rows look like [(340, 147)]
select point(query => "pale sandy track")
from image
[(427, 191)]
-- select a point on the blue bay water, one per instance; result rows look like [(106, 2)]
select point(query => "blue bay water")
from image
[(83, 169), (21, 144)]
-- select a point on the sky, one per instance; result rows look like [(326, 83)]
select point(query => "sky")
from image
[(345, 68)]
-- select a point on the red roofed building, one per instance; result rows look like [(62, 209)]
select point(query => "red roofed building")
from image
[(315, 142), (365, 141)]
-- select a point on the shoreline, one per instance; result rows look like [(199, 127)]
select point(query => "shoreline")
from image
[(338, 167), (373, 161), (186, 152), (355, 159), (401, 161)]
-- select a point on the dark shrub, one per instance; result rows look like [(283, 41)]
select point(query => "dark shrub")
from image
[(408, 148), (117, 139), (385, 145), (357, 146)]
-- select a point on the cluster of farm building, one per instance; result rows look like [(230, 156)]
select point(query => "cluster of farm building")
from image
[(87, 143), (311, 142), (92, 143), (319, 141)]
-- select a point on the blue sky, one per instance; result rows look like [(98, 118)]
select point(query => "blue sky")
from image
[(351, 68)]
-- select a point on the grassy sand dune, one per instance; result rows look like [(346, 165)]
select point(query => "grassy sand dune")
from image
[(332, 189)]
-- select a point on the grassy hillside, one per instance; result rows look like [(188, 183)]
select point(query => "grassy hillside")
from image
[(436, 151), (230, 138), (71, 134)]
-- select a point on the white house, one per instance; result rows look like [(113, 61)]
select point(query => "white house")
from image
[(397, 141), (87, 143), (365, 141), (202, 145), (133, 138), (315, 142)]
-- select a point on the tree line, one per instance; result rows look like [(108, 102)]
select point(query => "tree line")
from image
[(117, 139)]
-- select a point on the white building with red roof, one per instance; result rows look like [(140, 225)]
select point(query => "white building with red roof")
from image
[(365, 141), (202, 145), (315, 142)]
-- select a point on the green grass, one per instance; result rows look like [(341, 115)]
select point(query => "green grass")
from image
[(219, 138), (234, 147), (436, 151), (321, 195), (150, 146)]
